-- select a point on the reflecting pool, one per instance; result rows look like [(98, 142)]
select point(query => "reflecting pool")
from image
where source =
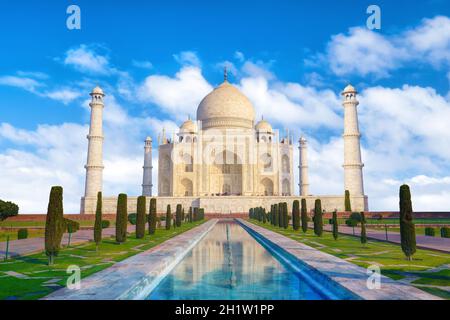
[(228, 263)]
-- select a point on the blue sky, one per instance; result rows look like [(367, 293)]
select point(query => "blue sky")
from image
[(291, 58)]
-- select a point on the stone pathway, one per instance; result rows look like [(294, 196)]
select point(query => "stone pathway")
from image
[(35, 245), (423, 242)]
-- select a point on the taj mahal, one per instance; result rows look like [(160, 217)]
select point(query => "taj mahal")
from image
[(225, 161)]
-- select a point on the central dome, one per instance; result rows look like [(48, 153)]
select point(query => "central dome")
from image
[(227, 107)]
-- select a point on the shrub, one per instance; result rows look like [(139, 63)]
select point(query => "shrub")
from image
[(304, 215), (71, 226), (168, 217), (190, 214), (348, 205), (351, 223), (445, 232), (430, 232), (22, 234), (8, 209), (132, 218), (54, 224), (195, 214), (152, 217), (318, 220), (106, 224), (98, 224), (356, 216), (201, 212), (407, 228), (140, 217)]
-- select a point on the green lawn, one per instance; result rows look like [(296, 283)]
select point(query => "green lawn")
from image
[(397, 221), (32, 233), (388, 256), (36, 271), (17, 224), (420, 231)]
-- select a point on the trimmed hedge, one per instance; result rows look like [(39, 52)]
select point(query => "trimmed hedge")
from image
[(121, 218), (106, 224), (54, 224), (98, 224), (132, 217), (140, 217), (445, 232), (22, 234), (430, 232), (407, 228)]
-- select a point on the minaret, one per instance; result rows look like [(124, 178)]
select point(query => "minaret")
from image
[(353, 177), (147, 178), (94, 166), (303, 166)]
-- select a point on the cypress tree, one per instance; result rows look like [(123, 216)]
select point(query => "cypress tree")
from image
[(182, 214), (195, 214), (348, 205), (407, 228), (264, 215), (304, 216), (190, 214), (98, 222), (178, 216), (280, 215), (363, 229), (275, 215), (168, 217), (121, 218), (318, 220), (335, 225), (54, 224), (285, 215), (140, 217), (152, 217), (296, 215)]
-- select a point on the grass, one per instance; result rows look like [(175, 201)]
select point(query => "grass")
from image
[(388, 256), (18, 224), (397, 221), (420, 231), (84, 255), (32, 233)]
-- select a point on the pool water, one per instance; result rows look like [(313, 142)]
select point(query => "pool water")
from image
[(229, 264)]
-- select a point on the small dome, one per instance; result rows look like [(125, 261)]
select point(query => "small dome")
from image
[(97, 90), (148, 139), (226, 106), (188, 127), (349, 89), (263, 126)]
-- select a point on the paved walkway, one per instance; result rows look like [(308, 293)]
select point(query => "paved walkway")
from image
[(34, 245), (423, 242)]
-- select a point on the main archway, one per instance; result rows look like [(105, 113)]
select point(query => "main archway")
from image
[(226, 174)]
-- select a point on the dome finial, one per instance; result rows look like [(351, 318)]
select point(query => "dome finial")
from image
[(225, 74)]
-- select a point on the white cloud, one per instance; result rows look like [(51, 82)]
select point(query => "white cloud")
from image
[(142, 64), (27, 84), (187, 58), (239, 56), (86, 59), (178, 96), (64, 95), (364, 52)]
